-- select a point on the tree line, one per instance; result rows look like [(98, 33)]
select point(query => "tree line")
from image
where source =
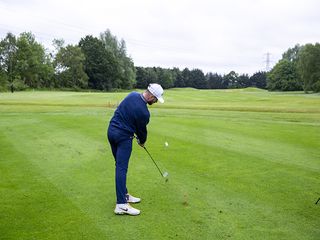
[(195, 78), (102, 63), (98, 63)]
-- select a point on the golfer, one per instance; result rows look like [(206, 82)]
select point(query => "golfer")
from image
[(131, 117)]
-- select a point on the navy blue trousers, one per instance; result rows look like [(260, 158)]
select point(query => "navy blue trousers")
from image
[(121, 146)]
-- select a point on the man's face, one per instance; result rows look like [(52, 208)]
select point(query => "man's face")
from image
[(152, 100)]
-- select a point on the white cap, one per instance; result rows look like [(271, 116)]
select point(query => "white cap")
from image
[(157, 91)]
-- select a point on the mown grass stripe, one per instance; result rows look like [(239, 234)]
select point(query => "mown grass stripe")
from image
[(32, 206)]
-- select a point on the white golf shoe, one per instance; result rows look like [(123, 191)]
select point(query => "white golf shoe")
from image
[(126, 209), (132, 199)]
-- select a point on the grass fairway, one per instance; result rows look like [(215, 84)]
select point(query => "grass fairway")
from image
[(243, 164)]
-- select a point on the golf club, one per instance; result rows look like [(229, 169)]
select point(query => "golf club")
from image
[(165, 174)]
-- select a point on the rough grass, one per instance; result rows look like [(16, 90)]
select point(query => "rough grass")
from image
[(243, 164)]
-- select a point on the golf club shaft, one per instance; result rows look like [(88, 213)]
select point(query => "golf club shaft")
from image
[(153, 160)]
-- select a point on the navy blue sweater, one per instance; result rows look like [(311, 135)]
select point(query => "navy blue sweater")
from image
[(132, 116)]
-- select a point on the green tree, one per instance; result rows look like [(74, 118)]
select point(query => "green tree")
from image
[(179, 82), (284, 77), (259, 80), (215, 81), (97, 64), (122, 66), (3, 81), (8, 60), (152, 75), (186, 77), (141, 78), (69, 67), (33, 65), (197, 79), (165, 77), (127, 69), (177, 78), (110, 44), (309, 67), (230, 80), (292, 54), (243, 81)]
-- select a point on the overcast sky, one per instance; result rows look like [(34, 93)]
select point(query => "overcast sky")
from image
[(214, 36)]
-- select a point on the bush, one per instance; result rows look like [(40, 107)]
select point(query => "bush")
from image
[(18, 85)]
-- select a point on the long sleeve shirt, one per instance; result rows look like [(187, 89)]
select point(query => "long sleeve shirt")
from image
[(132, 116)]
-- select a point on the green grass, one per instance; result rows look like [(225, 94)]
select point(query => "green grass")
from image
[(243, 164)]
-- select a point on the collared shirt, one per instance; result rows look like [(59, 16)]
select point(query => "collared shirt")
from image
[(143, 98)]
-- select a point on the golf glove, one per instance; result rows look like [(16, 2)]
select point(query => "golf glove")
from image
[(138, 141)]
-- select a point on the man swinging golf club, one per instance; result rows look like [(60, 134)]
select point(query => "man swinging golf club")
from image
[(131, 117)]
